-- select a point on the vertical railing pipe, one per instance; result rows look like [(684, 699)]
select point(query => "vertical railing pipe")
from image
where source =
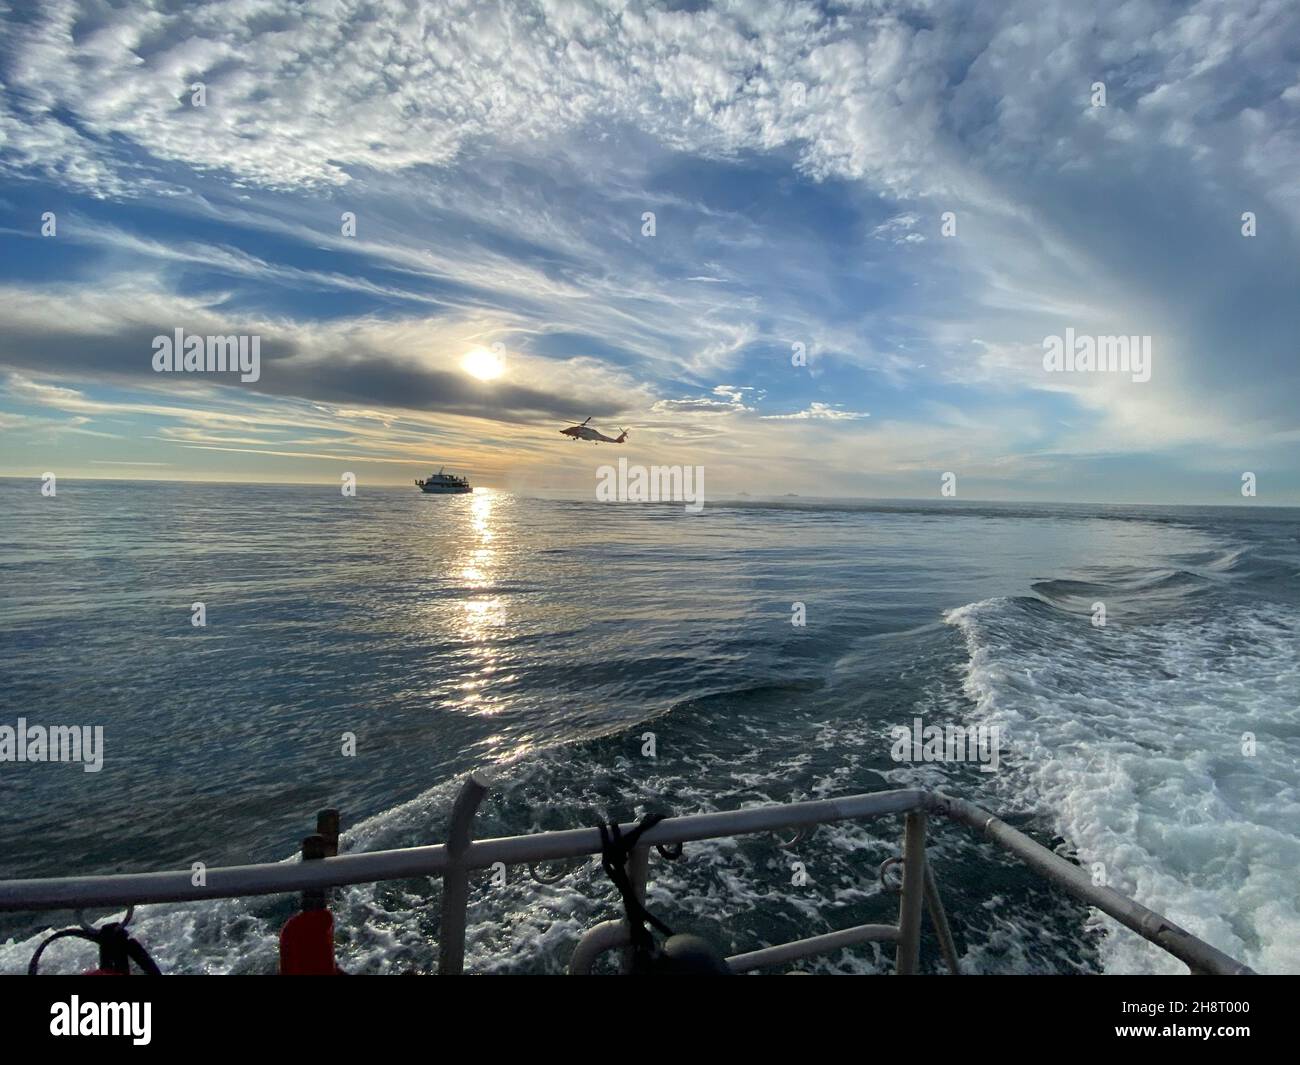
[(314, 849), (934, 905), (455, 879), (638, 871), (909, 905)]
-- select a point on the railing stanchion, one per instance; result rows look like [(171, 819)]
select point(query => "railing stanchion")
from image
[(638, 871), (455, 878), (313, 849), (909, 906), (939, 919), (327, 825)]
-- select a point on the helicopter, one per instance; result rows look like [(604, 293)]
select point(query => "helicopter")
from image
[(586, 432)]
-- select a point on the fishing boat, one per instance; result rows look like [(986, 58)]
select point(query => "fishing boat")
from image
[(444, 484)]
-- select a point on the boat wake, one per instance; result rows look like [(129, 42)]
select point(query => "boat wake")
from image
[(1165, 752)]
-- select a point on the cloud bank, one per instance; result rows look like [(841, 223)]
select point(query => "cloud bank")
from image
[(729, 226)]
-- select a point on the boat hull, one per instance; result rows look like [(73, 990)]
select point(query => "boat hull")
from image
[(443, 490)]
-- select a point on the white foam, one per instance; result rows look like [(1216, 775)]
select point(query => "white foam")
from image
[(1129, 739)]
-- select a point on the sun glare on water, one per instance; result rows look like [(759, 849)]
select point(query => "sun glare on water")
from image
[(483, 364)]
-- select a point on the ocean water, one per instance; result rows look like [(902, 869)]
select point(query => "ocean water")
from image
[(545, 638)]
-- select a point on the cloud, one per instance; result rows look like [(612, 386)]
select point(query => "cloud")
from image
[(899, 230), (725, 399), (820, 411), (409, 364), (499, 158)]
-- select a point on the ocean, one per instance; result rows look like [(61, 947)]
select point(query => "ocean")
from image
[(548, 638)]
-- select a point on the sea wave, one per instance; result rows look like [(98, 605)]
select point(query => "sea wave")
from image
[(1133, 741)]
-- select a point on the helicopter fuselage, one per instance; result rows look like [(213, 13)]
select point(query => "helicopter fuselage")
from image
[(586, 432)]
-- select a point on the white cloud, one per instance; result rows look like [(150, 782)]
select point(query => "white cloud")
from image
[(725, 399), (986, 115), (821, 411), (901, 229)]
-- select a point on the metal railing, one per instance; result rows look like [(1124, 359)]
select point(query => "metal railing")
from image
[(462, 854)]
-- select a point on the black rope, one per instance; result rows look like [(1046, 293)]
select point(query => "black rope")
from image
[(669, 852), (116, 949), (36, 958), (614, 851)]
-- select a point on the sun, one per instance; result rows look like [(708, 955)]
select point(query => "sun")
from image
[(483, 364)]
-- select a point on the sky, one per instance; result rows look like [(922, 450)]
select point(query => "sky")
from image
[(810, 247)]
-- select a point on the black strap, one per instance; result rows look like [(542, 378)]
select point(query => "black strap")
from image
[(614, 851), (116, 949), (36, 958), (141, 957)]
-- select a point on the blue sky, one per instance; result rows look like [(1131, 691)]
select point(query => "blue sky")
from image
[(798, 160)]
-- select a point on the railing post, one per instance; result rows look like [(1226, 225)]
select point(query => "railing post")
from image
[(939, 919), (638, 871), (909, 905), (323, 844), (455, 879), (327, 825), (313, 849)]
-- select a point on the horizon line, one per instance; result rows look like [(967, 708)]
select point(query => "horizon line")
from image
[(737, 497)]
